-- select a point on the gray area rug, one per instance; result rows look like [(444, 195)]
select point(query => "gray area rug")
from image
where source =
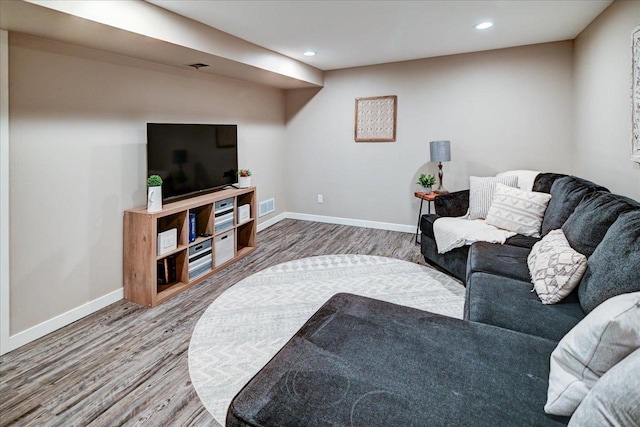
[(247, 325)]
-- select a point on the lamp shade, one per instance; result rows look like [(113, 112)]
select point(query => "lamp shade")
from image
[(440, 151)]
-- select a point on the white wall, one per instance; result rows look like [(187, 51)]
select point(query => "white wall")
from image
[(503, 109), (4, 191), (78, 133), (603, 100)]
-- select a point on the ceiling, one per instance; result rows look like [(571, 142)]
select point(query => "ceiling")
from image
[(357, 33)]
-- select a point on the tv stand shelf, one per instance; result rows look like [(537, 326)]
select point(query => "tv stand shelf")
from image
[(150, 278)]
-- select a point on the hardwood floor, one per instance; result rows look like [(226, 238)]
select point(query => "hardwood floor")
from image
[(127, 365)]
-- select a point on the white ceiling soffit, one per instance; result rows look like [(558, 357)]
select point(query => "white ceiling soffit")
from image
[(356, 33), (142, 30)]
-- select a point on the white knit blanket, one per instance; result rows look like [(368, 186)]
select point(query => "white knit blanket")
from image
[(453, 233)]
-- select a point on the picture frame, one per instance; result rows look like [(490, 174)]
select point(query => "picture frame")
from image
[(635, 95), (375, 119)]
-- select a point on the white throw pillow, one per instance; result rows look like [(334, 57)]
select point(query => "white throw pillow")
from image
[(517, 210), (615, 398), (526, 178), (481, 191), (607, 335), (555, 267)]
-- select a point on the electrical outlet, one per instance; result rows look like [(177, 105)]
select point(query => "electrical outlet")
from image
[(320, 198)]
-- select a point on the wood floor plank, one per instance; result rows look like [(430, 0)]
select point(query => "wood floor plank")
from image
[(127, 365)]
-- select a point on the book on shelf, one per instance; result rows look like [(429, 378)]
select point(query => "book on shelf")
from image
[(167, 270)]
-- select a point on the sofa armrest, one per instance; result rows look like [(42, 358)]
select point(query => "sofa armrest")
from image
[(426, 224), (452, 204)]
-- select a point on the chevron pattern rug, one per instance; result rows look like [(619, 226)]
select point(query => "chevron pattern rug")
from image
[(247, 325)]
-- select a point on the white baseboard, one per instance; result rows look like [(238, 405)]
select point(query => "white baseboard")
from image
[(268, 223), (64, 319), (353, 222), (403, 228), (48, 326)]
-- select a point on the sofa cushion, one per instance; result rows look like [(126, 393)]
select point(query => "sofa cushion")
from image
[(522, 241), (613, 268), (509, 303), (501, 260), (517, 210), (453, 233), (566, 193), (613, 400), (606, 336), (364, 362), (481, 190), (544, 181), (586, 226), (455, 203), (555, 267)]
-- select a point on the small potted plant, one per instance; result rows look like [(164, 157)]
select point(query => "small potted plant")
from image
[(426, 182), (154, 194), (244, 178)]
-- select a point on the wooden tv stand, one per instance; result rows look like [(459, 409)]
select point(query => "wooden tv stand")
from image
[(150, 279)]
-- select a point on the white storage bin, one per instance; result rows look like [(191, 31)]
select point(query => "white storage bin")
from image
[(225, 247), (167, 241), (244, 213)]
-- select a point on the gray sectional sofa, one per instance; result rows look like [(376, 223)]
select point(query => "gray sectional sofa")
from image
[(363, 362), (497, 276), (565, 196)]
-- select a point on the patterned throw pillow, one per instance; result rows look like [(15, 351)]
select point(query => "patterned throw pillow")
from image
[(481, 193), (516, 210), (555, 268)]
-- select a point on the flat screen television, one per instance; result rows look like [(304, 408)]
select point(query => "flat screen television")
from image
[(192, 159)]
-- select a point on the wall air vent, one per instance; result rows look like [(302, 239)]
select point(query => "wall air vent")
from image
[(266, 207), (198, 65)]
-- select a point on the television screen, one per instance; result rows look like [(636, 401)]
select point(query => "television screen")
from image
[(192, 158)]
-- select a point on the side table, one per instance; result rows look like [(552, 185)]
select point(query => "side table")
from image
[(429, 197)]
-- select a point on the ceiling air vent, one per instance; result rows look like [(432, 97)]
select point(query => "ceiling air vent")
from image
[(198, 65)]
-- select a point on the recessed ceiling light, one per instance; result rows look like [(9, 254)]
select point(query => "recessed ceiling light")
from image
[(310, 53), (483, 25)]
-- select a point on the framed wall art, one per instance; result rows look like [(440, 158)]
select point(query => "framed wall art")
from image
[(635, 95), (376, 119)]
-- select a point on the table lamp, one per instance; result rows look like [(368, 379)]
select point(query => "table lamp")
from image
[(440, 152)]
